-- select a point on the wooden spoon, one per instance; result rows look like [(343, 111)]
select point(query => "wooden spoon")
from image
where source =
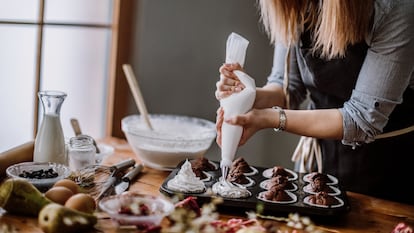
[(136, 92)]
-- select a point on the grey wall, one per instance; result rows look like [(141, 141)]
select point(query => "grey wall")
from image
[(179, 46)]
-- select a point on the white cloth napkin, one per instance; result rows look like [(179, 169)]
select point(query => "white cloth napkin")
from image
[(237, 103)]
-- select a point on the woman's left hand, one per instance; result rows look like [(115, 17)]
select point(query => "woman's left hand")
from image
[(228, 83)]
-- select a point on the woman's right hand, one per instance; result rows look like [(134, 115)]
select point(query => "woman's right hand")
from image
[(228, 83), (251, 122)]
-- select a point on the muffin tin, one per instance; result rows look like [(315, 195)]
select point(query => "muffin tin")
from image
[(299, 194)]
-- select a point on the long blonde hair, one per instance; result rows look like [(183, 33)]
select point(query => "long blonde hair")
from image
[(336, 24)]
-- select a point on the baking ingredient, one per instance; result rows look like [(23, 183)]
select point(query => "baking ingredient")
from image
[(50, 143), (58, 194), (18, 154), (81, 152), (39, 174), (19, 197), (82, 202), (55, 218), (237, 103), (186, 180), (70, 184), (52, 147), (227, 189)]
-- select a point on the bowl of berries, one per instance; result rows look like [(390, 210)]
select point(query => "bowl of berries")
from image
[(132, 208), (43, 175)]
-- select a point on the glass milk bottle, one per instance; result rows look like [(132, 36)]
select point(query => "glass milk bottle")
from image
[(50, 142), (81, 152)]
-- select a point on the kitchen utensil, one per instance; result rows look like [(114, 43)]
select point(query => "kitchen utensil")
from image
[(109, 183), (123, 185), (76, 128), (136, 92), (93, 178)]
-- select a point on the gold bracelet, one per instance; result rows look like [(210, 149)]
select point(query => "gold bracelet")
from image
[(282, 119)]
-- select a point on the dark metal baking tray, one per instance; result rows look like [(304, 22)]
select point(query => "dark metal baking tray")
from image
[(251, 203)]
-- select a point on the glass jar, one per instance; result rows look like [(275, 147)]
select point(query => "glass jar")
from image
[(81, 152), (50, 143)]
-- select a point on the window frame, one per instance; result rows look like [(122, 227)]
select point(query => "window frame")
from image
[(121, 38)]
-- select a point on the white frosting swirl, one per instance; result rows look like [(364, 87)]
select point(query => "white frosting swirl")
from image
[(229, 190), (186, 180)]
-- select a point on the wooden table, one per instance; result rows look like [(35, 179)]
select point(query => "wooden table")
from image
[(367, 214)]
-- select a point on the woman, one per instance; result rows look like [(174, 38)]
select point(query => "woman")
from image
[(353, 59)]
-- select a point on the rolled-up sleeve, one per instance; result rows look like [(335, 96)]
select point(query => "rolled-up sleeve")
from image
[(385, 74)]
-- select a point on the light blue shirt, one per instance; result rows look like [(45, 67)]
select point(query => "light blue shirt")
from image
[(388, 69)]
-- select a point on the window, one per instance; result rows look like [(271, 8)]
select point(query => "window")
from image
[(66, 45)]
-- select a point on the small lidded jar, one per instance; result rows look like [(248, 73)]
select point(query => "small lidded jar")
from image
[(81, 152)]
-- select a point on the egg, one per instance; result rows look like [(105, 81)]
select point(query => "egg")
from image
[(70, 184), (81, 202), (58, 194)]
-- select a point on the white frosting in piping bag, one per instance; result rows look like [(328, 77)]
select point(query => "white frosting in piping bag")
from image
[(237, 103)]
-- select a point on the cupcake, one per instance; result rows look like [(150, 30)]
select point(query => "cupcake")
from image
[(241, 164), (323, 199), (277, 194), (278, 170), (278, 180), (237, 176)]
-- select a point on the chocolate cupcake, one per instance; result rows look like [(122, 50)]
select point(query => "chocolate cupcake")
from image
[(323, 199), (318, 183), (328, 179), (278, 170), (237, 176), (241, 164), (203, 164), (277, 194), (278, 180)]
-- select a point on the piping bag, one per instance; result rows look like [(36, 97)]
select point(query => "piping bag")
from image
[(236, 103)]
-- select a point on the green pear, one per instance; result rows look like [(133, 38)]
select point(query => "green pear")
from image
[(55, 218), (19, 197)]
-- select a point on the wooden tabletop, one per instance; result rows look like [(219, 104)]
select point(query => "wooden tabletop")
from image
[(367, 214)]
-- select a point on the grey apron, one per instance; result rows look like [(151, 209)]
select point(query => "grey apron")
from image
[(382, 168)]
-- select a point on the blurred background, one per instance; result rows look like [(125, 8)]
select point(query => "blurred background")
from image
[(175, 48)]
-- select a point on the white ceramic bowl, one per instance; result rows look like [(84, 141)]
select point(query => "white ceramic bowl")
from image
[(26, 170), (129, 202), (173, 139)]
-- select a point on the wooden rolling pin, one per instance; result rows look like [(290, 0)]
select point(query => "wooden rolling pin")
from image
[(18, 154)]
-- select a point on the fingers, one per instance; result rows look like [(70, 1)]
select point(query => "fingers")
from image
[(228, 82), (219, 123), (230, 66)]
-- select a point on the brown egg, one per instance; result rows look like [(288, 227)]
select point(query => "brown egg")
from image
[(81, 202), (70, 184), (58, 194)]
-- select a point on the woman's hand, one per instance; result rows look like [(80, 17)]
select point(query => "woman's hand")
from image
[(219, 124), (228, 83), (252, 121)]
